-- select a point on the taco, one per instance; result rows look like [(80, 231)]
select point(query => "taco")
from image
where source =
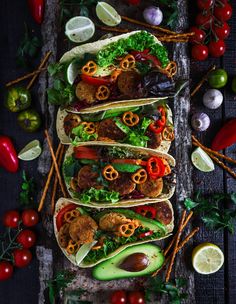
[(148, 126), (88, 236), (114, 72), (107, 175)]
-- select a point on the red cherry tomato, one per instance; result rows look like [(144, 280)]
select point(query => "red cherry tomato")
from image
[(11, 219), (22, 257), (6, 270), (118, 297), (26, 238), (199, 35), (217, 48), (223, 13), (199, 52), (136, 297), (222, 31), (204, 4), (204, 20), (30, 217)]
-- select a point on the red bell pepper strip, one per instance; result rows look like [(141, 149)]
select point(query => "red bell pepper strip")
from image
[(155, 127), (155, 167), (226, 136), (85, 152), (96, 80), (145, 234), (8, 156), (60, 216), (145, 56), (158, 125), (147, 211), (37, 9)]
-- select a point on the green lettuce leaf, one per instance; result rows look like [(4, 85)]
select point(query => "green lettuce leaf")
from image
[(99, 195)]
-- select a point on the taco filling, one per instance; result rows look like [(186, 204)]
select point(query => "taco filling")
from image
[(111, 174), (133, 67), (110, 229)]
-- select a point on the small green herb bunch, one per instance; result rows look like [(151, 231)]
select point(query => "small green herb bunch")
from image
[(28, 187)]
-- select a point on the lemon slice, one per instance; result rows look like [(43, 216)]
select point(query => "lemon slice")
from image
[(72, 72), (31, 151), (202, 161), (107, 14), (207, 258), (79, 29), (83, 251)]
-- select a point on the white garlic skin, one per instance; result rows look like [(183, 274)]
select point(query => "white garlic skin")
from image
[(212, 99), (153, 15), (200, 121)]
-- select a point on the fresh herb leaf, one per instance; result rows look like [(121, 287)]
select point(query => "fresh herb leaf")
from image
[(28, 189), (82, 135)]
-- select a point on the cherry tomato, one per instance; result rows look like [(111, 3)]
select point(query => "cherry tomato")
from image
[(199, 52), (222, 31), (22, 257), (223, 13), (6, 270), (204, 4), (136, 297), (26, 238), (199, 35), (118, 297), (30, 217), (204, 20), (11, 219), (217, 48)]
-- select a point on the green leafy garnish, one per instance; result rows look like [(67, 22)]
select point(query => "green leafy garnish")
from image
[(82, 135), (28, 189), (157, 287), (212, 211), (118, 152), (70, 167), (99, 195), (170, 8)]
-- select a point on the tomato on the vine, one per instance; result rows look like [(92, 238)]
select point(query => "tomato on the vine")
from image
[(204, 20), (26, 238), (6, 270), (30, 217), (204, 4), (217, 48), (22, 257), (199, 52), (222, 31), (136, 297), (199, 35), (11, 219), (118, 297), (223, 13)]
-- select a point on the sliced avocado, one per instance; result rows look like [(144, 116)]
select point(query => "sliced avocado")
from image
[(138, 256)]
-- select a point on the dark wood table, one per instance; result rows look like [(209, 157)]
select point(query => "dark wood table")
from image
[(28, 285)]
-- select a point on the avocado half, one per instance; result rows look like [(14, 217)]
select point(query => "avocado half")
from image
[(112, 269)]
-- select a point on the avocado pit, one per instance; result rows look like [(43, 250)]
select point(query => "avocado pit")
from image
[(135, 262)]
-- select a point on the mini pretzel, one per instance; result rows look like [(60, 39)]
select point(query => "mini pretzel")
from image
[(115, 74), (110, 173), (140, 176), (96, 247), (74, 184), (71, 247), (102, 93), (167, 166), (171, 69), (168, 133), (136, 223), (128, 62), (90, 68), (127, 230), (89, 127), (130, 119), (69, 216)]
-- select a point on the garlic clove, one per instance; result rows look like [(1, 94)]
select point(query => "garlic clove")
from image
[(212, 99), (153, 15), (200, 122)]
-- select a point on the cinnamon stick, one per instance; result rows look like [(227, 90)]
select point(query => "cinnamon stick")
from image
[(199, 85), (45, 190), (29, 75), (172, 259), (55, 164), (42, 64)]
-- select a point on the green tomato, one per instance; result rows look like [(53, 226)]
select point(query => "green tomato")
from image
[(218, 78), (233, 86), (18, 99), (29, 120)]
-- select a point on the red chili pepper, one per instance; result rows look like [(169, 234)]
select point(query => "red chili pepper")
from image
[(37, 9), (96, 80), (155, 167), (147, 211), (134, 2), (61, 213), (145, 234), (158, 125), (155, 127), (226, 136), (8, 156), (144, 56), (162, 120)]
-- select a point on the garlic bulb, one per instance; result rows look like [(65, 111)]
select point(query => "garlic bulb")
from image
[(212, 99), (153, 15), (200, 121)]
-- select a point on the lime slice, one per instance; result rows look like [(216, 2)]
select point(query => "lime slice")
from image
[(207, 258), (83, 251), (79, 29), (31, 151), (72, 72), (202, 161), (107, 14)]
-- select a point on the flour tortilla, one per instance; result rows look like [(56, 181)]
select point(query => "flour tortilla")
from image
[(62, 202)]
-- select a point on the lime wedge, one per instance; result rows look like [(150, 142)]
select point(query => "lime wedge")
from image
[(202, 161), (72, 72), (31, 151), (107, 14), (83, 251), (207, 258), (79, 29)]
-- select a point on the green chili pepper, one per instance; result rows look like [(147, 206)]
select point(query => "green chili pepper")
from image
[(18, 99), (29, 120)]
